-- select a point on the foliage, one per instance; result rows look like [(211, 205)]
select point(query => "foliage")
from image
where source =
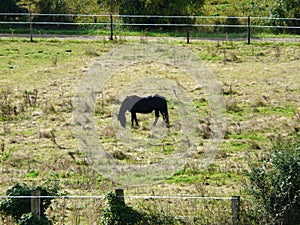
[(112, 5), (30, 219), (159, 7), (256, 8), (52, 7), (231, 20), (20, 208), (10, 6), (286, 9), (117, 212), (275, 183)]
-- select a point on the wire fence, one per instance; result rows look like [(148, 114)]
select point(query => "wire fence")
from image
[(117, 24), (75, 210)]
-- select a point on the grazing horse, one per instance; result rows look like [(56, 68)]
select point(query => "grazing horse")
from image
[(135, 104)]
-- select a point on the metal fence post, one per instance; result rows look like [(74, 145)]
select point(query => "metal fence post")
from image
[(36, 203), (235, 209), (249, 30), (30, 26), (111, 28)]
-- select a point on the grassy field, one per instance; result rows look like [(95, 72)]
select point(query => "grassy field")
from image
[(261, 88)]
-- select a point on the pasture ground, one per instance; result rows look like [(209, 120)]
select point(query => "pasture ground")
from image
[(261, 87)]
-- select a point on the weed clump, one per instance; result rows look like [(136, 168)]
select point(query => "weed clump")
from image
[(275, 184), (117, 212), (20, 208)]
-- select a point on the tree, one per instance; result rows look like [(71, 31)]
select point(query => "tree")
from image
[(275, 184), (286, 9), (82, 6), (111, 5), (52, 7), (10, 6), (156, 7), (20, 209)]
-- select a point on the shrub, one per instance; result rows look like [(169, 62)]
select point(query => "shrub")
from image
[(30, 219), (285, 9), (275, 184), (117, 212), (235, 22), (20, 208)]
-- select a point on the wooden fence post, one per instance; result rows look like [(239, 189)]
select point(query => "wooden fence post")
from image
[(36, 203), (235, 209), (120, 195)]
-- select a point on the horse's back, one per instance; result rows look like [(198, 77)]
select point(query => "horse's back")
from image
[(146, 104), (143, 105)]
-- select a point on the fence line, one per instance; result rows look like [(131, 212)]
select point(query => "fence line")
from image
[(150, 24), (113, 21), (147, 16), (146, 24), (127, 196), (53, 197), (170, 207)]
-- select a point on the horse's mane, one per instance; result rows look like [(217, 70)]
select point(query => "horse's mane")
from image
[(157, 96)]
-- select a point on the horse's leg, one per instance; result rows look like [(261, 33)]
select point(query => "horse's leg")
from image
[(166, 118), (156, 117), (134, 119)]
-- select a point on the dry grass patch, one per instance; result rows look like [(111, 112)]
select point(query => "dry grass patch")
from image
[(261, 90)]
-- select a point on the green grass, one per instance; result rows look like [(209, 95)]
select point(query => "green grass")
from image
[(262, 82), (287, 111), (120, 32)]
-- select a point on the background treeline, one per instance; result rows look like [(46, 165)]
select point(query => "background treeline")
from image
[(229, 8)]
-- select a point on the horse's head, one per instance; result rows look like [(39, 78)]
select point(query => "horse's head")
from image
[(127, 104), (122, 120)]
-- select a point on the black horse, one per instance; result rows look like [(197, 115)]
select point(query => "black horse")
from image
[(135, 104)]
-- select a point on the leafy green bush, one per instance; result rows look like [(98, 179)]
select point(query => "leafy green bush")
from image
[(275, 184), (117, 212), (286, 9), (20, 208), (31, 219)]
